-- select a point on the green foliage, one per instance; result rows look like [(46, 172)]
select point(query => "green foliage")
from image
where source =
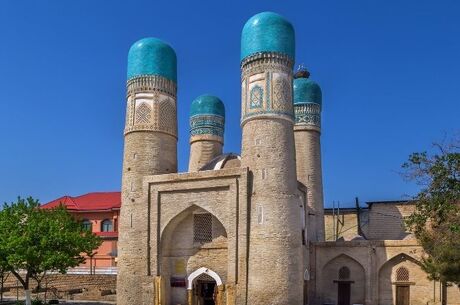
[(37, 240), (436, 220)]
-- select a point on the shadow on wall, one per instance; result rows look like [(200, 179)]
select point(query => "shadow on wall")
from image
[(343, 281), (192, 239), (386, 221)]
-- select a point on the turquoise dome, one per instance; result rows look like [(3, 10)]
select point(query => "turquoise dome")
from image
[(151, 56), (267, 32), (306, 91), (207, 104)]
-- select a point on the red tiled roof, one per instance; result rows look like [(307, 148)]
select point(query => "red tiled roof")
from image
[(88, 202)]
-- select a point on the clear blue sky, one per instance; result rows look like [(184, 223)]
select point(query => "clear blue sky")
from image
[(389, 71)]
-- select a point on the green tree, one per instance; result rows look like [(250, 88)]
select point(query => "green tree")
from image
[(436, 220), (4, 273), (35, 241)]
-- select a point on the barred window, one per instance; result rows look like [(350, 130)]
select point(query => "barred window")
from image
[(202, 228), (402, 274), (344, 273)]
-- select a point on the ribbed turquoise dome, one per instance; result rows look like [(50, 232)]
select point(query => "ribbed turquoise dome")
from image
[(267, 32), (306, 91), (207, 104), (151, 56)]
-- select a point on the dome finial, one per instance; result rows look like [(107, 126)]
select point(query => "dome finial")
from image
[(301, 72)]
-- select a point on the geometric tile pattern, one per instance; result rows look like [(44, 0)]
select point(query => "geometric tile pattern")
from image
[(308, 114), (207, 125), (143, 114), (151, 105), (256, 97), (282, 94), (266, 86)]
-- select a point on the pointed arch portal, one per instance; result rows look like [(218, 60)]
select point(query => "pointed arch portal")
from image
[(201, 271)]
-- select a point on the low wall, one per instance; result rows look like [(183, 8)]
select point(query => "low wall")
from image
[(68, 286)]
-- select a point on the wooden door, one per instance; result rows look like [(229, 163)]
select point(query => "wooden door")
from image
[(402, 295), (343, 293)]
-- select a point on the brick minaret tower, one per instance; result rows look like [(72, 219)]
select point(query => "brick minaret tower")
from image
[(150, 149), (267, 121), (207, 119), (307, 132)]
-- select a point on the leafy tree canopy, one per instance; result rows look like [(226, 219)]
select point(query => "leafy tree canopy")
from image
[(34, 240), (436, 220)]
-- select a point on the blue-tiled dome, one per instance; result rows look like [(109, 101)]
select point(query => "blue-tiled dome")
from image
[(267, 32), (207, 104), (151, 56), (306, 91)]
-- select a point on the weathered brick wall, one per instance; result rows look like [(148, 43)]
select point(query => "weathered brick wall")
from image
[(347, 225), (309, 172), (201, 152)]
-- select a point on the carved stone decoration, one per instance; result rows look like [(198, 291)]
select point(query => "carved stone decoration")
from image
[(167, 117), (282, 95), (130, 113), (151, 110), (269, 91), (143, 114)]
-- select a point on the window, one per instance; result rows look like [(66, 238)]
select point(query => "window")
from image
[(344, 273), (402, 274), (106, 226), (87, 225), (202, 228), (260, 214)]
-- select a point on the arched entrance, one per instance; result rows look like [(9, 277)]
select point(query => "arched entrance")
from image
[(193, 238), (204, 287), (342, 281)]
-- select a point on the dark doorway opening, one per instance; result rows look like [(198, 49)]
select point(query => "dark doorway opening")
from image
[(206, 292), (402, 294), (343, 293)]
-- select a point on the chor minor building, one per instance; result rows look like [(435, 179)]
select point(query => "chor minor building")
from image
[(249, 228)]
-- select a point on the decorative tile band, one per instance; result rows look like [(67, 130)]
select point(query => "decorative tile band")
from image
[(308, 114), (267, 57), (207, 125), (266, 87), (145, 83), (151, 105)]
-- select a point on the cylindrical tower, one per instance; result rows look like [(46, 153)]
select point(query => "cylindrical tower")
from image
[(207, 119), (150, 149), (275, 243), (307, 132)]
